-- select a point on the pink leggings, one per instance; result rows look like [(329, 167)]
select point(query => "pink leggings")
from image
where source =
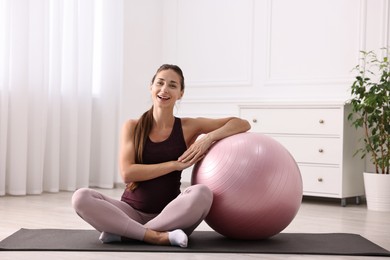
[(185, 212)]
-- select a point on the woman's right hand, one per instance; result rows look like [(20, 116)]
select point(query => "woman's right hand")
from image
[(184, 165)]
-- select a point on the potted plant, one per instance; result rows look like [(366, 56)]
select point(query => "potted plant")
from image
[(371, 111)]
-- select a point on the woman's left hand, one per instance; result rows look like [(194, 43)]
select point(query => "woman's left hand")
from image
[(197, 150)]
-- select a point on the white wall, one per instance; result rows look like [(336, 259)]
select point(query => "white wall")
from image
[(142, 54), (238, 51), (235, 51)]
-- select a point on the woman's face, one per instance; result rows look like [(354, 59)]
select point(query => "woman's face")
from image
[(166, 89)]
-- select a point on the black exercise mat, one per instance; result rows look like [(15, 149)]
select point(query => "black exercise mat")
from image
[(200, 242)]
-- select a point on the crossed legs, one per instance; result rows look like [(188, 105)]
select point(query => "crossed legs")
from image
[(117, 219)]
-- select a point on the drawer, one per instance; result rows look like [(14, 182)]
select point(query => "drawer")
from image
[(328, 121), (306, 149), (321, 180)]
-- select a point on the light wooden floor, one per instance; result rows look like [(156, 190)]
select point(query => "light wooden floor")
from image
[(314, 216)]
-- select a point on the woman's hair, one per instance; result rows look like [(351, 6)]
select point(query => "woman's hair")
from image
[(145, 122)]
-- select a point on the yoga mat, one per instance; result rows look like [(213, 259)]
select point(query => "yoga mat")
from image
[(199, 242)]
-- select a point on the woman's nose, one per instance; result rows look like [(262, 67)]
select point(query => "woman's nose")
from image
[(164, 88)]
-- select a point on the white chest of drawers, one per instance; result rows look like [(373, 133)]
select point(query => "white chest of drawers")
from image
[(320, 138)]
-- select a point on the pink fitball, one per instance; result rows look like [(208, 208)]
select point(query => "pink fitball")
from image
[(256, 183)]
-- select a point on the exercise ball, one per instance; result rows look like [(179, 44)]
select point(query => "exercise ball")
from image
[(256, 183)]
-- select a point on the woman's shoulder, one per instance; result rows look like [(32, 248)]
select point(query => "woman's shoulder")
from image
[(129, 124), (186, 121), (192, 123), (195, 120)]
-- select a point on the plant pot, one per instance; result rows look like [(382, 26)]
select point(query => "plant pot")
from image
[(377, 187)]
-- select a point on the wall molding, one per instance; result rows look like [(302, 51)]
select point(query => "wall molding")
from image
[(247, 79), (385, 23), (314, 80)]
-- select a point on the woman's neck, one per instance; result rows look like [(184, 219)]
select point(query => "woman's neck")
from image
[(163, 118), (162, 126)]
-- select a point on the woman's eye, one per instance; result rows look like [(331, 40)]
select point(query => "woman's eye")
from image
[(159, 83)]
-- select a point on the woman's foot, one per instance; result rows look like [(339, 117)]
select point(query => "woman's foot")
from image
[(174, 238), (178, 238), (106, 237)]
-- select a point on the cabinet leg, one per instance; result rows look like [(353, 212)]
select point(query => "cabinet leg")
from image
[(343, 202), (357, 200)]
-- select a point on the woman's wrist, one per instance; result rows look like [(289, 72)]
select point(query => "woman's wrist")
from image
[(176, 165), (210, 137)]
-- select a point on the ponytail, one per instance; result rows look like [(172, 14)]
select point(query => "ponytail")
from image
[(141, 133)]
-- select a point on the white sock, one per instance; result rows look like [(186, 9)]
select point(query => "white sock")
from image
[(106, 237), (178, 238)]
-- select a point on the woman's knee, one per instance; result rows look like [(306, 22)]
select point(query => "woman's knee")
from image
[(206, 192), (202, 195), (80, 198)]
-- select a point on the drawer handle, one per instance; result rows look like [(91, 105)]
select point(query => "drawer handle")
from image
[(320, 150), (320, 179), (254, 120), (321, 121)]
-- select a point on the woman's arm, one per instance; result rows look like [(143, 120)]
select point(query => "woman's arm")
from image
[(214, 130), (133, 172)]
